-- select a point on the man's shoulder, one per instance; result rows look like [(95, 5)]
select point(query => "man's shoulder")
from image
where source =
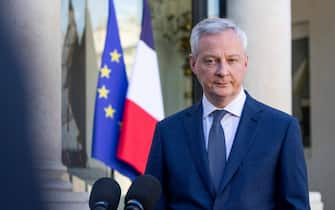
[(270, 111)]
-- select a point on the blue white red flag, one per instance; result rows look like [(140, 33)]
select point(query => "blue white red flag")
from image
[(144, 103)]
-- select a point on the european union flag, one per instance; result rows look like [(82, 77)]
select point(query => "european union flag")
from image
[(110, 98)]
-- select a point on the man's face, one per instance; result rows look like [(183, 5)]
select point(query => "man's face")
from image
[(220, 66)]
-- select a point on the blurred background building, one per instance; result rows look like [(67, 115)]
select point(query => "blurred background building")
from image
[(290, 67)]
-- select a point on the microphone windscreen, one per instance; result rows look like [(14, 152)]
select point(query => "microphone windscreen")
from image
[(107, 190), (145, 189)]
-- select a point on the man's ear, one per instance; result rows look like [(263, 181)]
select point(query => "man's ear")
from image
[(246, 61), (192, 60)]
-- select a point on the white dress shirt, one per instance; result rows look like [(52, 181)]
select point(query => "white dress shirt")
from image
[(229, 122)]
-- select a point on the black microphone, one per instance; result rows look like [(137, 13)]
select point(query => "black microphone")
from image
[(143, 193), (105, 194)]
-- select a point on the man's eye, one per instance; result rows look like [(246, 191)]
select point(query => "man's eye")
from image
[(232, 60), (210, 61)]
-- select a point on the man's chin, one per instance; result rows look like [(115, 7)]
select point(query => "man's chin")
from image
[(225, 95), (224, 92)]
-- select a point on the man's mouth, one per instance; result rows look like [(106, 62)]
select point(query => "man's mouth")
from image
[(222, 84)]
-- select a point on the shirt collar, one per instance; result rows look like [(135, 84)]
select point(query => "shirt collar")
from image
[(235, 107)]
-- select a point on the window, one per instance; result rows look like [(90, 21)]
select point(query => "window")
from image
[(301, 79)]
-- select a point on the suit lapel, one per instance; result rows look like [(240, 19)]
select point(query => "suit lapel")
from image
[(196, 144), (243, 139)]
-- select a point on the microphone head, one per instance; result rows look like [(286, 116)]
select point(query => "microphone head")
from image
[(146, 190), (105, 190)]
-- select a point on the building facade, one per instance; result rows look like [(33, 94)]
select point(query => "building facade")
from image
[(290, 67)]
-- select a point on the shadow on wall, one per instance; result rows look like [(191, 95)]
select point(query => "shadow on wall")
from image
[(19, 185)]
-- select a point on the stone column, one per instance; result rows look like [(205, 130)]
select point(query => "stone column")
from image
[(268, 27), (35, 26)]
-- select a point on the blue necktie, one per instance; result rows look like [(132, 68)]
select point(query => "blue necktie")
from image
[(217, 148)]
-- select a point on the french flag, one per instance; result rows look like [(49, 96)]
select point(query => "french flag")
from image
[(144, 103)]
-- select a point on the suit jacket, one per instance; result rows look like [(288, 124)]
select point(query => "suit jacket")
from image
[(265, 170)]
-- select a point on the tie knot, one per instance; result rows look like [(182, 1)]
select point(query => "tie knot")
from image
[(218, 115)]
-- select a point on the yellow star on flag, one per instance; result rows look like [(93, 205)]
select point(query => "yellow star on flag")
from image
[(109, 111), (105, 71), (115, 56), (103, 92)]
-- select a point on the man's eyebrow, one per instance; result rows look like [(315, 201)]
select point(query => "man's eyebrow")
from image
[(234, 55), (209, 55)]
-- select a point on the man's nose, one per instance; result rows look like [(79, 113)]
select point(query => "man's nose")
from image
[(222, 69)]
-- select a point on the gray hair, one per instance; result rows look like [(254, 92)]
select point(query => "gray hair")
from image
[(214, 26)]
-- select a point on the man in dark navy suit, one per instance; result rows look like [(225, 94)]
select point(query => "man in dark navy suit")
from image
[(229, 151)]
